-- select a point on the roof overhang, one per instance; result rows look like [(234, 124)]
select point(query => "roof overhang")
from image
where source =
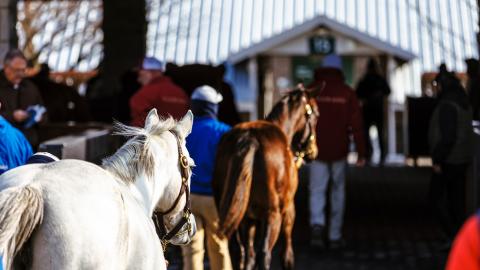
[(313, 24)]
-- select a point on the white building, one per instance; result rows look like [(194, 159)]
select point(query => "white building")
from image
[(266, 42)]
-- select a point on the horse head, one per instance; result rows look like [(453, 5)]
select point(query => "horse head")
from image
[(174, 221), (304, 143), (157, 164)]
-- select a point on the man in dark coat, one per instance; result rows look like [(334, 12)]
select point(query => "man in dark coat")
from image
[(18, 97), (372, 90), (451, 144)]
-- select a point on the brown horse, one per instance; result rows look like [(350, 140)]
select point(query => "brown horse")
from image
[(255, 178)]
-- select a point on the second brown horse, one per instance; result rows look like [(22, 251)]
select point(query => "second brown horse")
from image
[(255, 178)]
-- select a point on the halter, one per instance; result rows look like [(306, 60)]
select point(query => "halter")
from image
[(306, 146), (166, 236)]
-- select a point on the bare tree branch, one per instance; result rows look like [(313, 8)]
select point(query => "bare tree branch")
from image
[(52, 26)]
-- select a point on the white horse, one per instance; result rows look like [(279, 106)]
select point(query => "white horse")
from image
[(72, 214)]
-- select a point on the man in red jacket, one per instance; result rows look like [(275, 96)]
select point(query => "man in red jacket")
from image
[(340, 117), (159, 92)]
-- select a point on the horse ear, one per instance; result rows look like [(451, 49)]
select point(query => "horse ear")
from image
[(184, 126), (317, 89), (152, 119)]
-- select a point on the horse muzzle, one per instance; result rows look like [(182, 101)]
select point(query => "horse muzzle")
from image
[(311, 152), (186, 233)]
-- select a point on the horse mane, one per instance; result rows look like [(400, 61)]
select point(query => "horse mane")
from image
[(285, 105), (135, 156)]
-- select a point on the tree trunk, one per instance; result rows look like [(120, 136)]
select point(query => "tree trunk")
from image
[(125, 29), (124, 45), (12, 18)]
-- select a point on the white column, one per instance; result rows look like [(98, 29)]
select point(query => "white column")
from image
[(252, 69), (393, 154)]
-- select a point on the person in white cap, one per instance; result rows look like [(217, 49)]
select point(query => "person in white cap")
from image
[(202, 145), (159, 92)]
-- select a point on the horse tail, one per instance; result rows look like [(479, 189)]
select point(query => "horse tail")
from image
[(233, 178), (21, 210)]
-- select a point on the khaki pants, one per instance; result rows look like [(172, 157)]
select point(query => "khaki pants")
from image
[(206, 217)]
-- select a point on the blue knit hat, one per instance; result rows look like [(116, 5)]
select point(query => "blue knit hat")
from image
[(332, 61), (152, 63)]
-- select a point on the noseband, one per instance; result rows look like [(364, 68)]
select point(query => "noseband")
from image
[(166, 236)]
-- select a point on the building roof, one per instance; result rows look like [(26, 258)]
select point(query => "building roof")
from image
[(311, 25), (212, 31)]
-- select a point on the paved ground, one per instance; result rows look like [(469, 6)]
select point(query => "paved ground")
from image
[(387, 224)]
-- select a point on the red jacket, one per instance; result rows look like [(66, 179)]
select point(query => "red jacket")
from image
[(465, 252), (340, 117), (162, 94)]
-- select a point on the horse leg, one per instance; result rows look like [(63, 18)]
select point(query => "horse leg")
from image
[(287, 227), (243, 251), (237, 251), (251, 247), (268, 238)]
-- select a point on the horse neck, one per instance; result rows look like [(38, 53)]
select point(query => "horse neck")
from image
[(142, 184), (286, 123), (147, 192), (161, 189)]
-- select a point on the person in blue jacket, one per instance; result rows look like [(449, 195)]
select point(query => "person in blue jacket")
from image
[(202, 145), (14, 147)]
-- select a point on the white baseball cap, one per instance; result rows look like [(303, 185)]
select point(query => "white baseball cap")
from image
[(207, 93)]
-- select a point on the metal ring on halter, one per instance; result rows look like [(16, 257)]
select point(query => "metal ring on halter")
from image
[(184, 162)]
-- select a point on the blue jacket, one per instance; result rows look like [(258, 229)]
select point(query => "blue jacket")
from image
[(14, 147), (202, 145)]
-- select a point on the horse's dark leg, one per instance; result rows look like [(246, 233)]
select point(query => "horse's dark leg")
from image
[(251, 247), (287, 227), (267, 239), (241, 250), (237, 252)]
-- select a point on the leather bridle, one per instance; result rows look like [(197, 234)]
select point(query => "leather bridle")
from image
[(164, 235), (305, 145)]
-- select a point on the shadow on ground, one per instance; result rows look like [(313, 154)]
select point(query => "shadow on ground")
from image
[(388, 224)]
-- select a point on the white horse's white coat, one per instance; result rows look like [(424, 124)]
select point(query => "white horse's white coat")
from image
[(97, 217)]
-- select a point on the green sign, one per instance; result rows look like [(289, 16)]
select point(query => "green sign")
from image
[(322, 45)]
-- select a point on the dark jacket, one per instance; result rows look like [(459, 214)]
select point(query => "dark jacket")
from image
[(371, 90), (340, 117), (450, 131), (63, 102), (12, 99)]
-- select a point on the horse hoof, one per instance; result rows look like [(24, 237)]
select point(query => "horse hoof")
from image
[(289, 265), (289, 262)]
